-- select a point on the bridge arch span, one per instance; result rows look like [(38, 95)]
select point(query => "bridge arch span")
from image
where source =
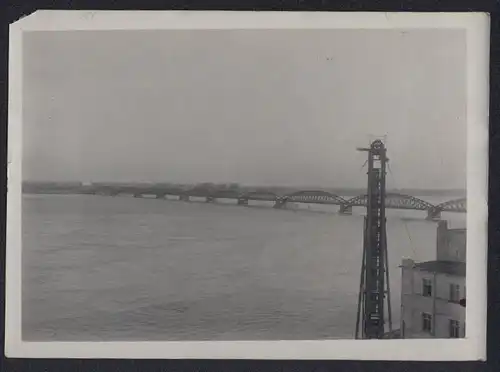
[(313, 196), (455, 205), (394, 200)]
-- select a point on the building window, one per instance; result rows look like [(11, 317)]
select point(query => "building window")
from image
[(454, 293), (426, 322), (426, 287), (454, 328)]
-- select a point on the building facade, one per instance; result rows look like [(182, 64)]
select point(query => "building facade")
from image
[(432, 290)]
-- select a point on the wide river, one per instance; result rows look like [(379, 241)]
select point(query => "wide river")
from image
[(118, 268)]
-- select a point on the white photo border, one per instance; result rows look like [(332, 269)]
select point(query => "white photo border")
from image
[(472, 347)]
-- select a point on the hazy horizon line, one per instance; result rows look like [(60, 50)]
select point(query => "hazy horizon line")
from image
[(235, 183)]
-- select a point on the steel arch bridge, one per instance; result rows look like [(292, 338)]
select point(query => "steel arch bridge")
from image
[(455, 205), (314, 196), (394, 201)]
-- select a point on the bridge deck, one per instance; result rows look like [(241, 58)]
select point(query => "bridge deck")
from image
[(393, 200)]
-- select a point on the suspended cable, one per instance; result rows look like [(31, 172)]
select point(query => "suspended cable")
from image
[(404, 222), (364, 164), (409, 238), (390, 172)]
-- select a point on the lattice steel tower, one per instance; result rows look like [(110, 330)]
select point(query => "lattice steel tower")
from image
[(374, 289)]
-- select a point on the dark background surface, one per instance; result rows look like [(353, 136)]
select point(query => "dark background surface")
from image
[(14, 10)]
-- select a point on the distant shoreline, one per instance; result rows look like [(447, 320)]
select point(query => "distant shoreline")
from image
[(76, 187)]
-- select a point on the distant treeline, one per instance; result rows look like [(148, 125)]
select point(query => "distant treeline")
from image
[(75, 187)]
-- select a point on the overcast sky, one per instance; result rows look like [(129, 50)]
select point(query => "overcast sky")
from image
[(255, 107)]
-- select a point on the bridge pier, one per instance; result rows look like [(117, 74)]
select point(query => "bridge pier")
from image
[(279, 204), (433, 215), (184, 198), (345, 209), (242, 201)]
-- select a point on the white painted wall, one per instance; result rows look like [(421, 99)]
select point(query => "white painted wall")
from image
[(413, 304)]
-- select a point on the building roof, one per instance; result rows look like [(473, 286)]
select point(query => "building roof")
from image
[(445, 267)]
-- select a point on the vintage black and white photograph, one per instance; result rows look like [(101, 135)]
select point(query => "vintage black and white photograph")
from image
[(257, 184)]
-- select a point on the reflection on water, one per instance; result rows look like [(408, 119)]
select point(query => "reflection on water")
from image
[(103, 268)]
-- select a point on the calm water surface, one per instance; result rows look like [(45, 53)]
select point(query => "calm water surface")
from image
[(104, 268)]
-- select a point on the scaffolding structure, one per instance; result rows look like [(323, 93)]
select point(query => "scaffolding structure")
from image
[(374, 290)]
